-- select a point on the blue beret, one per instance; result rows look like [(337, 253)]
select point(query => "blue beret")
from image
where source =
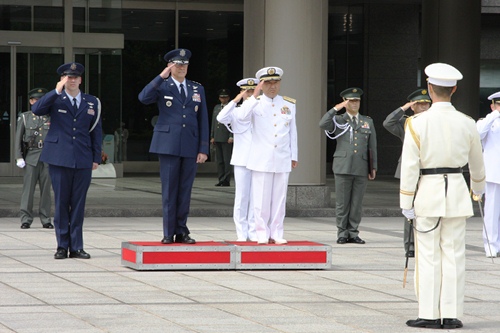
[(71, 69)]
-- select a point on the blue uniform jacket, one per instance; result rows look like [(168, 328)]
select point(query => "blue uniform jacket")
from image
[(181, 129), (69, 142)]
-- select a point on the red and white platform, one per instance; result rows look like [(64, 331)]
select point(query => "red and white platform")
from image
[(226, 255)]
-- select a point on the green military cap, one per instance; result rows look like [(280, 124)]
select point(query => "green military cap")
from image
[(352, 93), (419, 95), (37, 93), (224, 93)]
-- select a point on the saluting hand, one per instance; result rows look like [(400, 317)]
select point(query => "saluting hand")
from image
[(238, 97), (61, 83), (408, 105), (258, 89), (341, 105), (166, 72)]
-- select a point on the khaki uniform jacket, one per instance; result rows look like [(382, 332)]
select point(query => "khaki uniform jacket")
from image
[(351, 155), (31, 126), (219, 131), (395, 124), (441, 137)]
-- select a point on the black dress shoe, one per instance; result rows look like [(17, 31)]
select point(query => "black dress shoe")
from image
[(61, 254), (184, 238), (424, 323), (355, 240), (80, 254), (341, 240), (225, 184), (218, 184), (410, 254), (167, 240), (25, 225), (47, 225), (451, 323)]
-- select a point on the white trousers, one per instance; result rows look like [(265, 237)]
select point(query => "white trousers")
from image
[(440, 267), (243, 204), (269, 191), (492, 218)]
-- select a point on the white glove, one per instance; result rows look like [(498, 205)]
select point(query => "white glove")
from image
[(20, 163), (409, 213)]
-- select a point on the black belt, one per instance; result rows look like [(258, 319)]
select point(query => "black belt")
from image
[(439, 171)]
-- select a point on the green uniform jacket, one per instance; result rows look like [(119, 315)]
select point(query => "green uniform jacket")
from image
[(219, 131), (34, 129), (351, 155)]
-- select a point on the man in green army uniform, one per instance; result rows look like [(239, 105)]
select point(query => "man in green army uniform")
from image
[(418, 101), (223, 141), (354, 161), (30, 135)]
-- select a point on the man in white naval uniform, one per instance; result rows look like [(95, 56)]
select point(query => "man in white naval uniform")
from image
[(489, 131), (242, 135), (437, 144), (273, 153)]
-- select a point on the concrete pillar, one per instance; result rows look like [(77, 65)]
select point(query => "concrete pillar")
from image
[(450, 34), (292, 35)]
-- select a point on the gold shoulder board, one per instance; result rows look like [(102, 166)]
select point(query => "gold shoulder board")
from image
[(289, 99)]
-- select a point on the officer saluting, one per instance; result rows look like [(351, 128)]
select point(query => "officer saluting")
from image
[(31, 132), (72, 149), (180, 139), (418, 101), (356, 137)]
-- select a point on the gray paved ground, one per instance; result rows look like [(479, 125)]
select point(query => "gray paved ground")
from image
[(362, 292)]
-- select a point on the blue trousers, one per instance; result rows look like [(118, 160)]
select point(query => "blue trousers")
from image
[(70, 193), (177, 177)]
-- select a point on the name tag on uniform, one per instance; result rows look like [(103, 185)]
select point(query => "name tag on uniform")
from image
[(168, 97), (62, 111)]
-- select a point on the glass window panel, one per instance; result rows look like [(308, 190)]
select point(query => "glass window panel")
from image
[(49, 18), (15, 17)]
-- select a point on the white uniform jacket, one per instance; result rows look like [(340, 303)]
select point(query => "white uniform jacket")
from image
[(242, 131), (489, 131), (441, 137), (274, 133)]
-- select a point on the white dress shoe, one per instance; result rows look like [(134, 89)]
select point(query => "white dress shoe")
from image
[(280, 241), (262, 241)]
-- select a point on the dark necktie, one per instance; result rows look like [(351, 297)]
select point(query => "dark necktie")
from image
[(183, 93), (354, 122), (75, 106)]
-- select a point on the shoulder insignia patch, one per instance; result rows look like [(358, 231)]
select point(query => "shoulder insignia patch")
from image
[(289, 99)]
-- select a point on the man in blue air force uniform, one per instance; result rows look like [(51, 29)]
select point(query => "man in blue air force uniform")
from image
[(180, 139), (72, 149)]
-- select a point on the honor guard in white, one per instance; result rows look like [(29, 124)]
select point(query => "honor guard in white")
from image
[(489, 131), (72, 149), (354, 161), (272, 154), (243, 214), (418, 101), (222, 138), (30, 135), (438, 143)]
